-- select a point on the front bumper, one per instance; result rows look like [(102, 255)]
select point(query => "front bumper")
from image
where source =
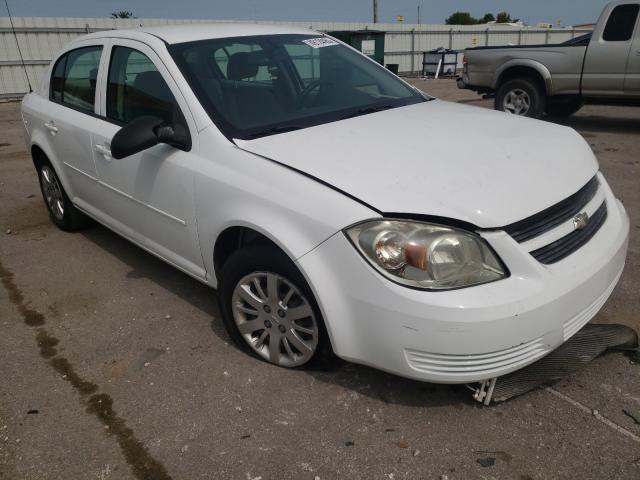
[(470, 334)]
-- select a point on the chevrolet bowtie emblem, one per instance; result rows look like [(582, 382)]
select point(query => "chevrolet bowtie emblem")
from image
[(581, 221)]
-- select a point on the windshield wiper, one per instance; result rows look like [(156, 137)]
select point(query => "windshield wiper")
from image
[(273, 131), (367, 110)]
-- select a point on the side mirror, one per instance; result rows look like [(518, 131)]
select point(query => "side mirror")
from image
[(145, 132)]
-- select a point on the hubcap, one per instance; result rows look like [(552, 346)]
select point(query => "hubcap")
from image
[(275, 319), (516, 101), (52, 192)]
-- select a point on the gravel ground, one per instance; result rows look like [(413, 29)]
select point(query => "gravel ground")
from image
[(114, 365)]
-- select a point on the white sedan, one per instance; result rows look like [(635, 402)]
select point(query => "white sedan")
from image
[(337, 210)]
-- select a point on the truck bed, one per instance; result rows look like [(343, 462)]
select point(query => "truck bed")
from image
[(563, 63)]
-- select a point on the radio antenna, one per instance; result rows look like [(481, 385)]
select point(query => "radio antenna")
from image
[(15, 35)]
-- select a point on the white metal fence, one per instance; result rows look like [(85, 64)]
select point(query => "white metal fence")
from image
[(40, 38)]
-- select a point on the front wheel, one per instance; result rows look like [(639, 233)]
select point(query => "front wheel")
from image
[(269, 309), (521, 96)]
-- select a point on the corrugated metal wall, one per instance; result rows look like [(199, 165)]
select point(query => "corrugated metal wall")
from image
[(41, 37)]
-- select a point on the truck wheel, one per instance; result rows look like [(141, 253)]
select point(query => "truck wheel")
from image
[(521, 96), (563, 107)]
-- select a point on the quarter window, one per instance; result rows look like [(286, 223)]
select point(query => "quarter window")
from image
[(136, 88), (73, 82), (621, 22)]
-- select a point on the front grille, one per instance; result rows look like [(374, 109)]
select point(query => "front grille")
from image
[(558, 214), (553, 216), (565, 246)]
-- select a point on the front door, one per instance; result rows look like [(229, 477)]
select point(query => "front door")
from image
[(632, 78), (147, 196), (605, 64)]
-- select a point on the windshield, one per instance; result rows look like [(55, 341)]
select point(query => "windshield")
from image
[(264, 85)]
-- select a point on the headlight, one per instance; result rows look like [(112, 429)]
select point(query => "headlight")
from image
[(427, 256)]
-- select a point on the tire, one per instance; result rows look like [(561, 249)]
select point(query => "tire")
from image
[(521, 96), (61, 211), (263, 263), (563, 107)]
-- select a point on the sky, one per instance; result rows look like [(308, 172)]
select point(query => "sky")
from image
[(569, 12)]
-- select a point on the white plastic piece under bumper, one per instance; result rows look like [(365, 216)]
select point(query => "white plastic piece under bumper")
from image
[(470, 334)]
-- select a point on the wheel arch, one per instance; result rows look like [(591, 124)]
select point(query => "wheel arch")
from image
[(41, 153), (524, 68), (236, 237), (38, 156)]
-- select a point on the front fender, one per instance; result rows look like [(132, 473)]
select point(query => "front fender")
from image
[(241, 189)]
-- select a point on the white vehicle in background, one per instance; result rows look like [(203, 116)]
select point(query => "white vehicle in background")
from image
[(291, 173)]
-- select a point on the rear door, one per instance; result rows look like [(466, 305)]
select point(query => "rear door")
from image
[(605, 64), (73, 100)]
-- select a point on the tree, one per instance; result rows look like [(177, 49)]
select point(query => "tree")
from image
[(122, 14), (461, 18), (504, 17), (488, 17)]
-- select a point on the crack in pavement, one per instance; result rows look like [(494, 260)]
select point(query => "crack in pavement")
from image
[(143, 465), (601, 418)]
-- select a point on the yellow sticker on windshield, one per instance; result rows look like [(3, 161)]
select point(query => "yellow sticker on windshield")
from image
[(320, 42)]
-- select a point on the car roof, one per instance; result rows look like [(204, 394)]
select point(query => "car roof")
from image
[(203, 31)]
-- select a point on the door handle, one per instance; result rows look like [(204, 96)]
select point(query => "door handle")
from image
[(103, 150), (51, 126)]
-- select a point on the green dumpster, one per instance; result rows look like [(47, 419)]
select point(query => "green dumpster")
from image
[(369, 42)]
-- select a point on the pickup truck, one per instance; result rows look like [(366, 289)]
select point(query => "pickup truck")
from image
[(602, 67)]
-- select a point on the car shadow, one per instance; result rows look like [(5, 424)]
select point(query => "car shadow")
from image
[(146, 265), (581, 121), (359, 379), (599, 124), (392, 389)]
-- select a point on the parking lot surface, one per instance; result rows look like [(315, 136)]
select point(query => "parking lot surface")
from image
[(114, 365)]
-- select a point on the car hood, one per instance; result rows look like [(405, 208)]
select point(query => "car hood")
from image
[(441, 159)]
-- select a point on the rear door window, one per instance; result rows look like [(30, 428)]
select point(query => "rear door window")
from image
[(621, 23), (73, 82)]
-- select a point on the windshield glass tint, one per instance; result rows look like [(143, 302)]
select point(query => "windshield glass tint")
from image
[(262, 85)]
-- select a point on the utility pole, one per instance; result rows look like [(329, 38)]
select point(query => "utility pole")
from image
[(375, 11), (418, 13)]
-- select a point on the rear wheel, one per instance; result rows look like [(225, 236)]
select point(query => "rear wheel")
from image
[(563, 107), (269, 309), (61, 211), (521, 96)]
